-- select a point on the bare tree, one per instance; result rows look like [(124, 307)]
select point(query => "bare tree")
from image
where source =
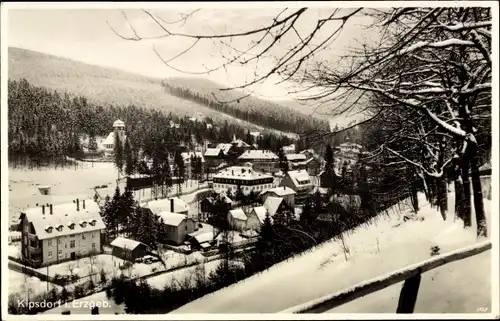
[(429, 66)]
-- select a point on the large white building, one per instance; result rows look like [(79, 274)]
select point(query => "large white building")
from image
[(55, 233), (247, 178), (262, 160), (118, 130)]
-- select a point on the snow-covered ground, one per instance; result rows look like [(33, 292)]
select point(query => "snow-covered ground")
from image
[(15, 250), (111, 265), (180, 276), (24, 285), (184, 275), (387, 245)]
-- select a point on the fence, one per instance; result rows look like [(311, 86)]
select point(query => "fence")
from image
[(408, 296)]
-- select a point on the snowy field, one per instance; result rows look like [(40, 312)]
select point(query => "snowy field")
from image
[(389, 244), (111, 265), (14, 250), (159, 282), (25, 285), (66, 184)]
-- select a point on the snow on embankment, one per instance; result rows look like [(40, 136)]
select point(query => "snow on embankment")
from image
[(391, 243)]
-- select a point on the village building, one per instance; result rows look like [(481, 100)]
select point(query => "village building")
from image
[(284, 192), (201, 241), (214, 157), (109, 143), (128, 249), (290, 149), (173, 204), (262, 160), (238, 143), (323, 192), (308, 153), (300, 182), (244, 177), (57, 233), (256, 217), (313, 166), (296, 161), (178, 226), (237, 219), (347, 154)]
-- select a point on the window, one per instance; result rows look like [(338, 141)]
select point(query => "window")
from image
[(49, 243), (50, 254), (93, 246), (72, 243), (71, 226), (58, 241), (25, 239), (93, 235), (185, 227), (27, 228), (83, 236), (60, 253)]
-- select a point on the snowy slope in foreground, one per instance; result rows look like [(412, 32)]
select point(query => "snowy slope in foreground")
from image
[(383, 247)]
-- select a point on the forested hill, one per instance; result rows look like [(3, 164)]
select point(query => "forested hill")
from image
[(252, 109), (109, 86)]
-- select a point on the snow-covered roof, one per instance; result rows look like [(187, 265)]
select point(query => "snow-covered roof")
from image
[(203, 237), (212, 152), (259, 154), (239, 143), (238, 214), (280, 191), (118, 123), (188, 155), (172, 219), (295, 157), (225, 147), (110, 140), (241, 172), (260, 211), (163, 205), (255, 133), (311, 151), (300, 177), (272, 204), (125, 243), (321, 190), (62, 216)]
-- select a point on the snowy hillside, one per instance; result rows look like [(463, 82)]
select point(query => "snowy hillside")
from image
[(389, 244)]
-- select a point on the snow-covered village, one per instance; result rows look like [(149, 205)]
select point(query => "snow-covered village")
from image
[(263, 160)]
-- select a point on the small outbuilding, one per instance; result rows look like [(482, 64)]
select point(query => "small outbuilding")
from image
[(128, 249)]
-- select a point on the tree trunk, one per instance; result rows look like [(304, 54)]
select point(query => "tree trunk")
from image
[(478, 193), (414, 196), (466, 188)]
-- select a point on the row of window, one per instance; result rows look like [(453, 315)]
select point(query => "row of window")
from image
[(49, 242), (242, 182), (245, 188), (72, 245)]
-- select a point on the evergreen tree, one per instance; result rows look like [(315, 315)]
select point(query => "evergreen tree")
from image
[(118, 154), (330, 176), (308, 216), (240, 196), (147, 229), (92, 143), (266, 242), (115, 212), (128, 207), (129, 158), (249, 138), (283, 161), (179, 168)]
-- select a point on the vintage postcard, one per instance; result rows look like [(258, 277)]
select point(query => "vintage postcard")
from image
[(250, 160)]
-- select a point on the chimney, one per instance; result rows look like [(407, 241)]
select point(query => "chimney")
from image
[(284, 187), (232, 172), (77, 204), (172, 205), (43, 209), (83, 203), (50, 209)]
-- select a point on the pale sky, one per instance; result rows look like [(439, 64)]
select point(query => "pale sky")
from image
[(84, 35)]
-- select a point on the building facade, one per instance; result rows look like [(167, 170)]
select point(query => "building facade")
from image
[(53, 234), (177, 226), (300, 182), (262, 160), (285, 192), (109, 143), (244, 177)]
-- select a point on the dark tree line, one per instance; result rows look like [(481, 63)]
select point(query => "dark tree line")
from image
[(44, 126), (265, 113)]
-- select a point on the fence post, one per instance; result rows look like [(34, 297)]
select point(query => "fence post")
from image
[(409, 292)]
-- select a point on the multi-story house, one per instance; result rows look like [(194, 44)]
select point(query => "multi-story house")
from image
[(300, 182), (262, 160), (56, 233), (244, 177)]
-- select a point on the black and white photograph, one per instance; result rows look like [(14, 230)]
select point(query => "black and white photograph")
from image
[(250, 159)]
